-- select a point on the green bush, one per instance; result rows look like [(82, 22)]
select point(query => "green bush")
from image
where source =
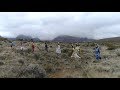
[(21, 62), (28, 50), (64, 55), (2, 57), (49, 68), (65, 50), (118, 53), (36, 56), (91, 44), (105, 56), (70, 53), (1, 63), (110, 46)]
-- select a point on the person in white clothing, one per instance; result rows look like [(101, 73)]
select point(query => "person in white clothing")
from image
[(75, 52), (58, 49)]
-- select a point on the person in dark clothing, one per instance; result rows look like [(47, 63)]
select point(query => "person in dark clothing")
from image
[(46, 47)]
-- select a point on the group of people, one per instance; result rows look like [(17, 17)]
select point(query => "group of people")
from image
[(75, 49)]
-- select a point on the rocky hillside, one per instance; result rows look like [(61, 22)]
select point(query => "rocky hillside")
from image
[(71, 39), (114, 39), (25, 38), (3, 39)]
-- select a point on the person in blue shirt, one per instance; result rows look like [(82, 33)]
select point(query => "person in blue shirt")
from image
[(97, 53)]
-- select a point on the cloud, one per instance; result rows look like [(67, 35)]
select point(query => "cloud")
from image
[(48, 25)]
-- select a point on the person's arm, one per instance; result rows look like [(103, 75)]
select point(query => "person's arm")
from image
[(99, 50)]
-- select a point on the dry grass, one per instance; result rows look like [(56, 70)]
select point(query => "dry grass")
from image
[(13, 61)]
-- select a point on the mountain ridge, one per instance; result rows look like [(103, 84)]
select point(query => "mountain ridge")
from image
[(66, 38)]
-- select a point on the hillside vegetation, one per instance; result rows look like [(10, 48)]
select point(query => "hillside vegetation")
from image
[(15, 63)]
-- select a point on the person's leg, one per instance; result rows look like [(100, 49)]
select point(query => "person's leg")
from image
[(59, 55), (97, 58)]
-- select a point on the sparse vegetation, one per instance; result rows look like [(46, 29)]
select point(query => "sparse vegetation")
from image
[(16, 63), (1, 63), (92, 44), (21, 62), (36, 56), (111, 46), (118, 53)]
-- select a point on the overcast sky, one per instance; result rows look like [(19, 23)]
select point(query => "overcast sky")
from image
[(48, 25)]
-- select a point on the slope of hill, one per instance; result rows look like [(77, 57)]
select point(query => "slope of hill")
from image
[(2, 38), (36, 39), (24, 37), (110, 39), (71, 39)]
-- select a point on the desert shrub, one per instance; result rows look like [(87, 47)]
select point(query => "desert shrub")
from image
[(22, 52), (70, 53), (3, 39), (49, 68), (36, 56), (1, 63), (85, 44), (57, 64), (92, 44), (51, 46), (103, 69), (32, 71), (65, 50), (28, 50), (86, 57), (105, 56), (19, 51), (81, 51), (21, 62), (1, 49), (2, 57), (118, 53), (64, 55), (110, 46)]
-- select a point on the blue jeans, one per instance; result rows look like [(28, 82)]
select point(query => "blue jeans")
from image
[(98, 56)]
